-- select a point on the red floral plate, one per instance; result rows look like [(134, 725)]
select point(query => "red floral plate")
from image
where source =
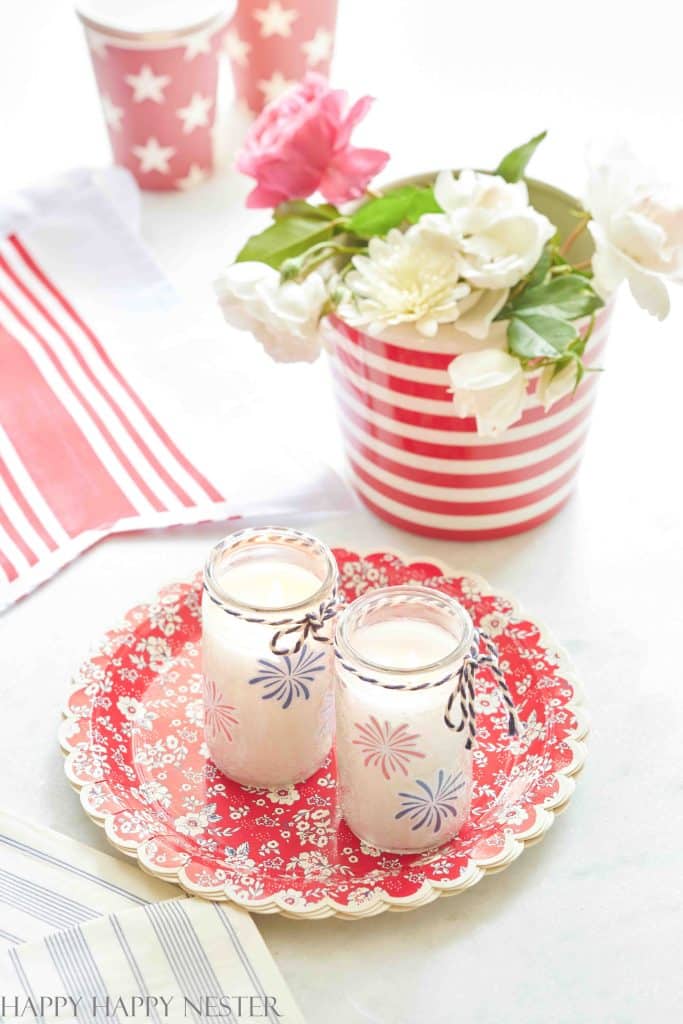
[(134, 740)]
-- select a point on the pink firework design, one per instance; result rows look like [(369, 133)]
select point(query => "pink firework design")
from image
[(219, 718), (385, 747)]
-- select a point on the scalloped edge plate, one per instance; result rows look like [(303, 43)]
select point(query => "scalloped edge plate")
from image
[(430, 890)]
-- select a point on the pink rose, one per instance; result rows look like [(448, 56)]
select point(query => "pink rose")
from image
[(302, 144)]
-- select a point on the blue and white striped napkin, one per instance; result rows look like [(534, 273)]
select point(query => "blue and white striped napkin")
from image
[(108, 944)]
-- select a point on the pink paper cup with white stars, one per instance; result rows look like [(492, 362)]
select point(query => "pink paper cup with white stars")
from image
[(273, 43), (157, 65)]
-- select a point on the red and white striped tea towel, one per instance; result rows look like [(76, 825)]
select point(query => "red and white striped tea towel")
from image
[(116, 412)]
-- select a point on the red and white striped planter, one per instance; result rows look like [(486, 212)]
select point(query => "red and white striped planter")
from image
[(420, 467)]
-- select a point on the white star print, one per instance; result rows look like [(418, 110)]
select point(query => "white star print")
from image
[(112, 113), (236, 48), (318, 48), (148, 86), (153, 157), (273, 87), (200, 42), (195, 176), (196, 113), (275, 20), (96, 43)]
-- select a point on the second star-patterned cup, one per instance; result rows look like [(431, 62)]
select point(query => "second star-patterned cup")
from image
[(273, 43), (157, 69)]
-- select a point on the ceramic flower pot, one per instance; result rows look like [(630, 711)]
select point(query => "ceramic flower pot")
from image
[(419, 466)]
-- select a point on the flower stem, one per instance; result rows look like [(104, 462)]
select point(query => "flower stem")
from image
[(322, 252), (574, 234)]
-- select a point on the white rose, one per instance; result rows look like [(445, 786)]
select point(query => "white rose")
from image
[(554, 386), (479, 310), (472, 190), (500, 235), (283, 317), (637, 228), (489, 385), (407, 277)]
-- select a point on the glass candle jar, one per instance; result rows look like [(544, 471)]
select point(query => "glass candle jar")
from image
[(268, 607), (404, 726)]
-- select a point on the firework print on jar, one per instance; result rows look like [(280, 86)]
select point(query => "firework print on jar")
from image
[(385, 747), (430, 807), (219, 718), (288, 679)]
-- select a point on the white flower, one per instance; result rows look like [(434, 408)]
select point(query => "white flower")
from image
[(195, 712), (479, 310), (637, 228), (407, 277), (486, 703), (475, 191), (489, 385), (291, 898), (554, 386), (287, 795), (135, 711), (499, 234), (153, 792), (282, 316), (494, 623), (192, 824), (513, 814)]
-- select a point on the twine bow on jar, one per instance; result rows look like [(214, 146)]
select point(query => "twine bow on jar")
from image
[(464, 693), (309, 624), (312, 624)]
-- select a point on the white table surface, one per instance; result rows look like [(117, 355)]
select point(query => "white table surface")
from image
[(585, 926)]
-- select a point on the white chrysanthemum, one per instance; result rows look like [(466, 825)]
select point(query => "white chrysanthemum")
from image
[(407, 277), (283, 317)]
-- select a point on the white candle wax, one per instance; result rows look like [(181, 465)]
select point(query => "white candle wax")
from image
[(269, 716), (268, 583), (395, 753), (403, 643)]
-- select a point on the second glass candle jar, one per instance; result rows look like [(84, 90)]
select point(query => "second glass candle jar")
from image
[(405, 775), (267, 613)]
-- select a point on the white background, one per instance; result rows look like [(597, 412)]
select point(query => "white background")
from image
[(587, 925)]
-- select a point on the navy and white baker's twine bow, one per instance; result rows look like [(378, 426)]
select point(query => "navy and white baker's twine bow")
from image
[(311, 624), (463, 692)]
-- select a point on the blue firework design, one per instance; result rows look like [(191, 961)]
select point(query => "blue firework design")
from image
[(289, 677), (432, 805)]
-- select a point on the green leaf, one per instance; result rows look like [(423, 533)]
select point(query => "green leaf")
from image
[(285, 238), (423, 202), (540, 271), (300, 208), (538, 337), (378, 216), (566, 298), (513, 166)]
